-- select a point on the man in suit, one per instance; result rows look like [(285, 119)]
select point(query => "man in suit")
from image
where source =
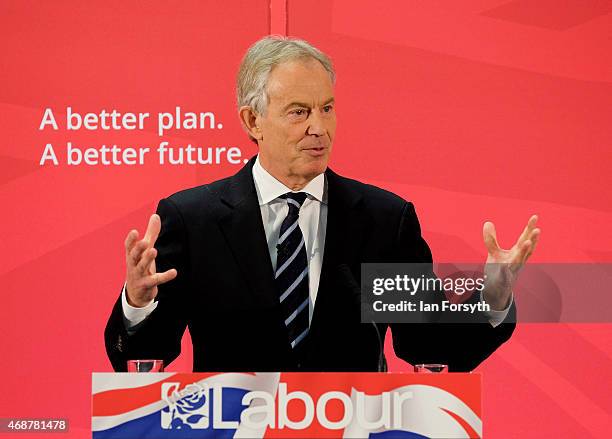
[(262, 266)]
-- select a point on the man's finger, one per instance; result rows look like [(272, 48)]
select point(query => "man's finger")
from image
[(521, 253), (535, 236), (131, 239), (531, 224), (166, 276), (137, 250), (490, 237), (148, 256), (159, 278), (153, 229)]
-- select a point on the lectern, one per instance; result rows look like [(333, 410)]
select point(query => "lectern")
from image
[(286, 405)]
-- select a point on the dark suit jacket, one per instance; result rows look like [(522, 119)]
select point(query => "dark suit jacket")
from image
[(225, 292)]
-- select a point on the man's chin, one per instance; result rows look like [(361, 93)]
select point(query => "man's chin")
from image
[(315, 166)]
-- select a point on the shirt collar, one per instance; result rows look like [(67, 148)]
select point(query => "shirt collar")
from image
[(269, 188)]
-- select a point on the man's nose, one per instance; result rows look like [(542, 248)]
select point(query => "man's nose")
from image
[(316, 126)]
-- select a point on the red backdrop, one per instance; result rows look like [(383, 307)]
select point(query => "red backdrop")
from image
[(474, 110)]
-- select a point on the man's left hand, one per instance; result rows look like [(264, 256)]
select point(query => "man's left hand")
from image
[(502, 266)]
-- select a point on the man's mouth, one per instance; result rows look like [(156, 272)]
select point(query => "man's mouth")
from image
[(315, 151)]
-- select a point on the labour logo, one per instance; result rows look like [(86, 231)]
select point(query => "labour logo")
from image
[(187, 408)]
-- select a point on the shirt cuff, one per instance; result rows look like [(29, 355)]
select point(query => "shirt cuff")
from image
[(133, 315), (496, 317)]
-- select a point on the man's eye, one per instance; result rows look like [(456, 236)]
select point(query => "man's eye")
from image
[(299, 113), (328, 108)]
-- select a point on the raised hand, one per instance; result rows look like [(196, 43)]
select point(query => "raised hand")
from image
[(502, 265), (142, 278)]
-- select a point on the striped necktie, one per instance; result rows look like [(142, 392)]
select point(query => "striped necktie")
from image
[(292, 272)]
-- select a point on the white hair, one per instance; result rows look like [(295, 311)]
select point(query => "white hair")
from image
[(262, 57)]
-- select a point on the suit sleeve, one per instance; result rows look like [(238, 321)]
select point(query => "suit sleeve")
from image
[(159, 335), (462, 346)]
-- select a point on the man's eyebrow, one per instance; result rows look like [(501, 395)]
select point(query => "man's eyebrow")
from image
[(295, 104), (329, 101), (302, 104)]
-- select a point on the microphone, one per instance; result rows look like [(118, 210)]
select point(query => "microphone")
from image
[(348, 280)]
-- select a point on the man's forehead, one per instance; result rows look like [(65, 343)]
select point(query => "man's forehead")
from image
[(300, 80)]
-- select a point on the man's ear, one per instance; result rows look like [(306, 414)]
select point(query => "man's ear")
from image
[(248, 118)]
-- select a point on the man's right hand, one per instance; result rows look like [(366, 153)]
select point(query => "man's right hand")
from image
[(142, 278)]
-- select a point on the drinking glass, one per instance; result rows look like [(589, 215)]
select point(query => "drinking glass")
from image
[(431, 368), (145, 366)]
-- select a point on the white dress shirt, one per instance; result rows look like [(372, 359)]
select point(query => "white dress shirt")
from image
[(312, 222)]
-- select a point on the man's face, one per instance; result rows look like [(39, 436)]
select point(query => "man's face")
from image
[(300, 121)]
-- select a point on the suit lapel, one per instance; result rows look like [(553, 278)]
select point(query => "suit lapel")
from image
[(348, 225), (244, 231)]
